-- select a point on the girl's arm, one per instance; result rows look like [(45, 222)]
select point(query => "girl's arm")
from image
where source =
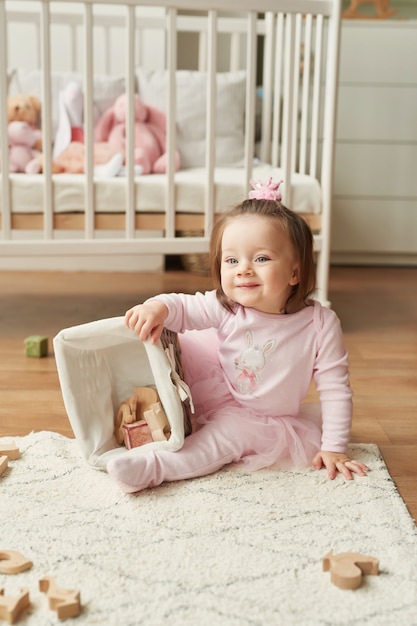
[(176, 311), (147, 320), (332, 382)]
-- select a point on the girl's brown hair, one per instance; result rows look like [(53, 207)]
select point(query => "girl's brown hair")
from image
[(292, 224)]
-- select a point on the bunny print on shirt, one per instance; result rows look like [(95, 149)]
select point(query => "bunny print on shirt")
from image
[(250, 363)]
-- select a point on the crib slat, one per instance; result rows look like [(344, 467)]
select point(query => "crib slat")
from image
[(210, 121), (4, 154), (130, 135), (276, 149), (46, 121), (296, 71), (88, 121), (251, 57), (287, 121), (267, 91), (171, 131), (316, 96), (306, 65), (327, 160)]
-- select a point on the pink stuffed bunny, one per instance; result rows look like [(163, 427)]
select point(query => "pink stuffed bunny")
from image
[(149, 129), (23, 157)]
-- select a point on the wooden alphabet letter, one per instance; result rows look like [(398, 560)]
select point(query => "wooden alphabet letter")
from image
[(11, 608), (66, 602), (346, 568), (14, 562)]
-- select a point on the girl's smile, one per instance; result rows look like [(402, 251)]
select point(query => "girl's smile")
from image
[(248, 285)]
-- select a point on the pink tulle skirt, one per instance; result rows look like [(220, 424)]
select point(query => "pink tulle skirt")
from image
[(284, 441)]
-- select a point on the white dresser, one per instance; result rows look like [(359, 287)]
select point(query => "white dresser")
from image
[(375, 193)]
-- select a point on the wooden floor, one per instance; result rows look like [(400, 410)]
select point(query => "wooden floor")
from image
[(377, 307)]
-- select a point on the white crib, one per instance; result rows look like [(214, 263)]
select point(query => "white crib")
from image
[(249, 91)]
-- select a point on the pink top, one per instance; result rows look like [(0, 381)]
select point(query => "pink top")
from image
[(269, 360)]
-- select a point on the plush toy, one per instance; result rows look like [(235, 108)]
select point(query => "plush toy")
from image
[(149, 134), (69, 149), (107, 160), (23, 155), (27, 109)]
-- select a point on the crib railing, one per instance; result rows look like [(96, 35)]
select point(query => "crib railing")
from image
[(289, 52)]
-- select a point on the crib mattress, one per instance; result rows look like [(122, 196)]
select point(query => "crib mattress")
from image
[(68, 193)]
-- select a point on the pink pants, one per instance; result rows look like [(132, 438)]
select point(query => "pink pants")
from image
[(209, 449)]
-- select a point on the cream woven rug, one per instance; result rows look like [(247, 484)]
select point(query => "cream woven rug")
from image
[(231, 549)]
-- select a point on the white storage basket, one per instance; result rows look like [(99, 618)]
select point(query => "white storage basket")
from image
[(99, 364)]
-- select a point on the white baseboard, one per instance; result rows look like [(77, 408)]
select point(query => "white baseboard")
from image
[(360, 258), (108, 263)]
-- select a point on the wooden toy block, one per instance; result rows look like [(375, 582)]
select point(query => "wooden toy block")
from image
[(136, 434), (66, 602), (346, 569), (12, 562), (4, 462), (10, 450), (158, 422), (36, 346), (11, 608), (155, 427)]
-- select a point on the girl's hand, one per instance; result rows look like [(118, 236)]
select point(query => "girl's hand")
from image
[(147, 320), (339, 462)]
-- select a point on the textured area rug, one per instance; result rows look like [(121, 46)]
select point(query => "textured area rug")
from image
[(231, 549)]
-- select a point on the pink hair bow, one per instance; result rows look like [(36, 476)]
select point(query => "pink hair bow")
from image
[(265, 191)]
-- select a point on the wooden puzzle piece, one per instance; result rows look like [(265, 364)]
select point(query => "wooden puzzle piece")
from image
[(11, 608), (66, 602), (4, 462), (346, 569), (10, 450), (12, 562)]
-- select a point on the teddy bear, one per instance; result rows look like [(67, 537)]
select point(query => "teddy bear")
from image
[(149, 134), (23, 154), (25, 108)]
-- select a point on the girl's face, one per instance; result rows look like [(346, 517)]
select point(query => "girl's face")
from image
[(258, 263)]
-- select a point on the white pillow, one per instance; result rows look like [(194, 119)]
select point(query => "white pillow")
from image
[(29, 82), (191, 87)]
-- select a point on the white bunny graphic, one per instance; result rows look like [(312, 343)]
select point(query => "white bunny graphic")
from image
[(251, 361)]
